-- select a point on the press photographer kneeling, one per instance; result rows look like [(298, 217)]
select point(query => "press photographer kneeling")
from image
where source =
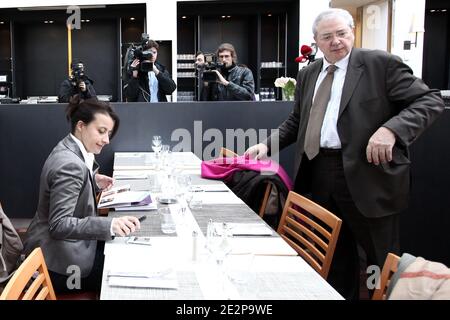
[(149, 80), (221, 79), (78, 83)]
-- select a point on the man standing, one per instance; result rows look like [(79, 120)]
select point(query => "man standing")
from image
[(78, 83), (234, 82), (356, 112), (149, 85)]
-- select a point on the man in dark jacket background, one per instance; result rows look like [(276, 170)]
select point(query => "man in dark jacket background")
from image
[(152, 86), (77, 83), (234, 82)]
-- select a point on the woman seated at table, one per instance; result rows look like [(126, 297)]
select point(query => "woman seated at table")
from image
[(66, 225)]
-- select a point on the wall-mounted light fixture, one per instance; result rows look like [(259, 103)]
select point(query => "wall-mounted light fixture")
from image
[(414, 29)]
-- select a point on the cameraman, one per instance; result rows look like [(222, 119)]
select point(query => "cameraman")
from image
[(233, 82), (78, 83), (152, 85), (203, 89)]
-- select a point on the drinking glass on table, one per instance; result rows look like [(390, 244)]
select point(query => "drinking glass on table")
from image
[(168, 225), (156, 144)]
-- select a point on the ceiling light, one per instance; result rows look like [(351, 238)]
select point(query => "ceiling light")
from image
[(132, 18), (183, 17)]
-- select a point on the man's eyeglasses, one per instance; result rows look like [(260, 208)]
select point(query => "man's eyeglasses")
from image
[(343, 34)]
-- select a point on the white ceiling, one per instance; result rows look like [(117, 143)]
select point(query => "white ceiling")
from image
[(350, 3)]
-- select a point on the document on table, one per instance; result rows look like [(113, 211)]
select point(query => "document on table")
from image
[(266, 246), (137, 175), (131, 265), (163, 278), (245, 229)]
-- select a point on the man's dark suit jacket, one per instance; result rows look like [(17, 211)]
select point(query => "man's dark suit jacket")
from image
[(379, 90)]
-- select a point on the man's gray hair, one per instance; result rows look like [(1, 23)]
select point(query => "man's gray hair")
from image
[(331, 14)]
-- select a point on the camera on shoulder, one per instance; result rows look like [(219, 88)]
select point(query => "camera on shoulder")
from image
[(211, 64), (142, 54), (78, 74)]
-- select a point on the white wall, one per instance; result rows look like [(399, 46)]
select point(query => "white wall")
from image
[(403, 15), (309, 10)]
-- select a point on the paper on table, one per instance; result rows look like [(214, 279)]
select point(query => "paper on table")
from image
[(165, 278), (220, 187), (130, 176), (270, 246), (245, 229), (125, 199), (150, 206)]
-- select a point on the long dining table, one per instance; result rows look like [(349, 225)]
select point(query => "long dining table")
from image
[(259, 264)]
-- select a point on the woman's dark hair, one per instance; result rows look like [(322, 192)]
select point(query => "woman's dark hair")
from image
[(85, 110)]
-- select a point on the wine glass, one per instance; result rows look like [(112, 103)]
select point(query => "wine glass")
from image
[(156, 144), (220, 245)]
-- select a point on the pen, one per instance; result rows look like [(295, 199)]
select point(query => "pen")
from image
[(142, 218), (216, 190)]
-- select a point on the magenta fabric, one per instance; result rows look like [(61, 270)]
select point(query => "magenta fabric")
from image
[(223, 168)]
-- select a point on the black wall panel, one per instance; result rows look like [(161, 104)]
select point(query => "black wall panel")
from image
[(40, 58), (214, 32), (97, 46)]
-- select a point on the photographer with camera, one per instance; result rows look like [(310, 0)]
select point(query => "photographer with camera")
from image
[(230, 82), (77, 83), (150, 81)]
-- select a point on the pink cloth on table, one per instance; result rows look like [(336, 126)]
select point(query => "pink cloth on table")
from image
[(224, 168)]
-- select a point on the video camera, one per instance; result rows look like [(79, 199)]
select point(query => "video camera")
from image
[(143, 54), (211, 64), (78, 74)]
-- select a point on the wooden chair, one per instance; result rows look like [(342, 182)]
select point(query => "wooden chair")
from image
[(389, 268), (311, 230), (224, 152), (40, 287)]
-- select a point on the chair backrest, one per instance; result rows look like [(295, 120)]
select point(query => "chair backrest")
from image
[(224, 152), (311, 230), (389, 268), (32, 271)]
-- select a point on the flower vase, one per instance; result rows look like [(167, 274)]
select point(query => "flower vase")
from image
[(287, 96)]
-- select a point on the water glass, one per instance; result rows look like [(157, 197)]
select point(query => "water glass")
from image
[(156, 144), (196, 201), (168, 225)]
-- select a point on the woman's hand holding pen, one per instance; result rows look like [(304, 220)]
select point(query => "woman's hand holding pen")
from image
[(123, 226)]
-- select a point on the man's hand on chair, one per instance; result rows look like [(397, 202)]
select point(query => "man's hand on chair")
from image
[(257, 152)]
